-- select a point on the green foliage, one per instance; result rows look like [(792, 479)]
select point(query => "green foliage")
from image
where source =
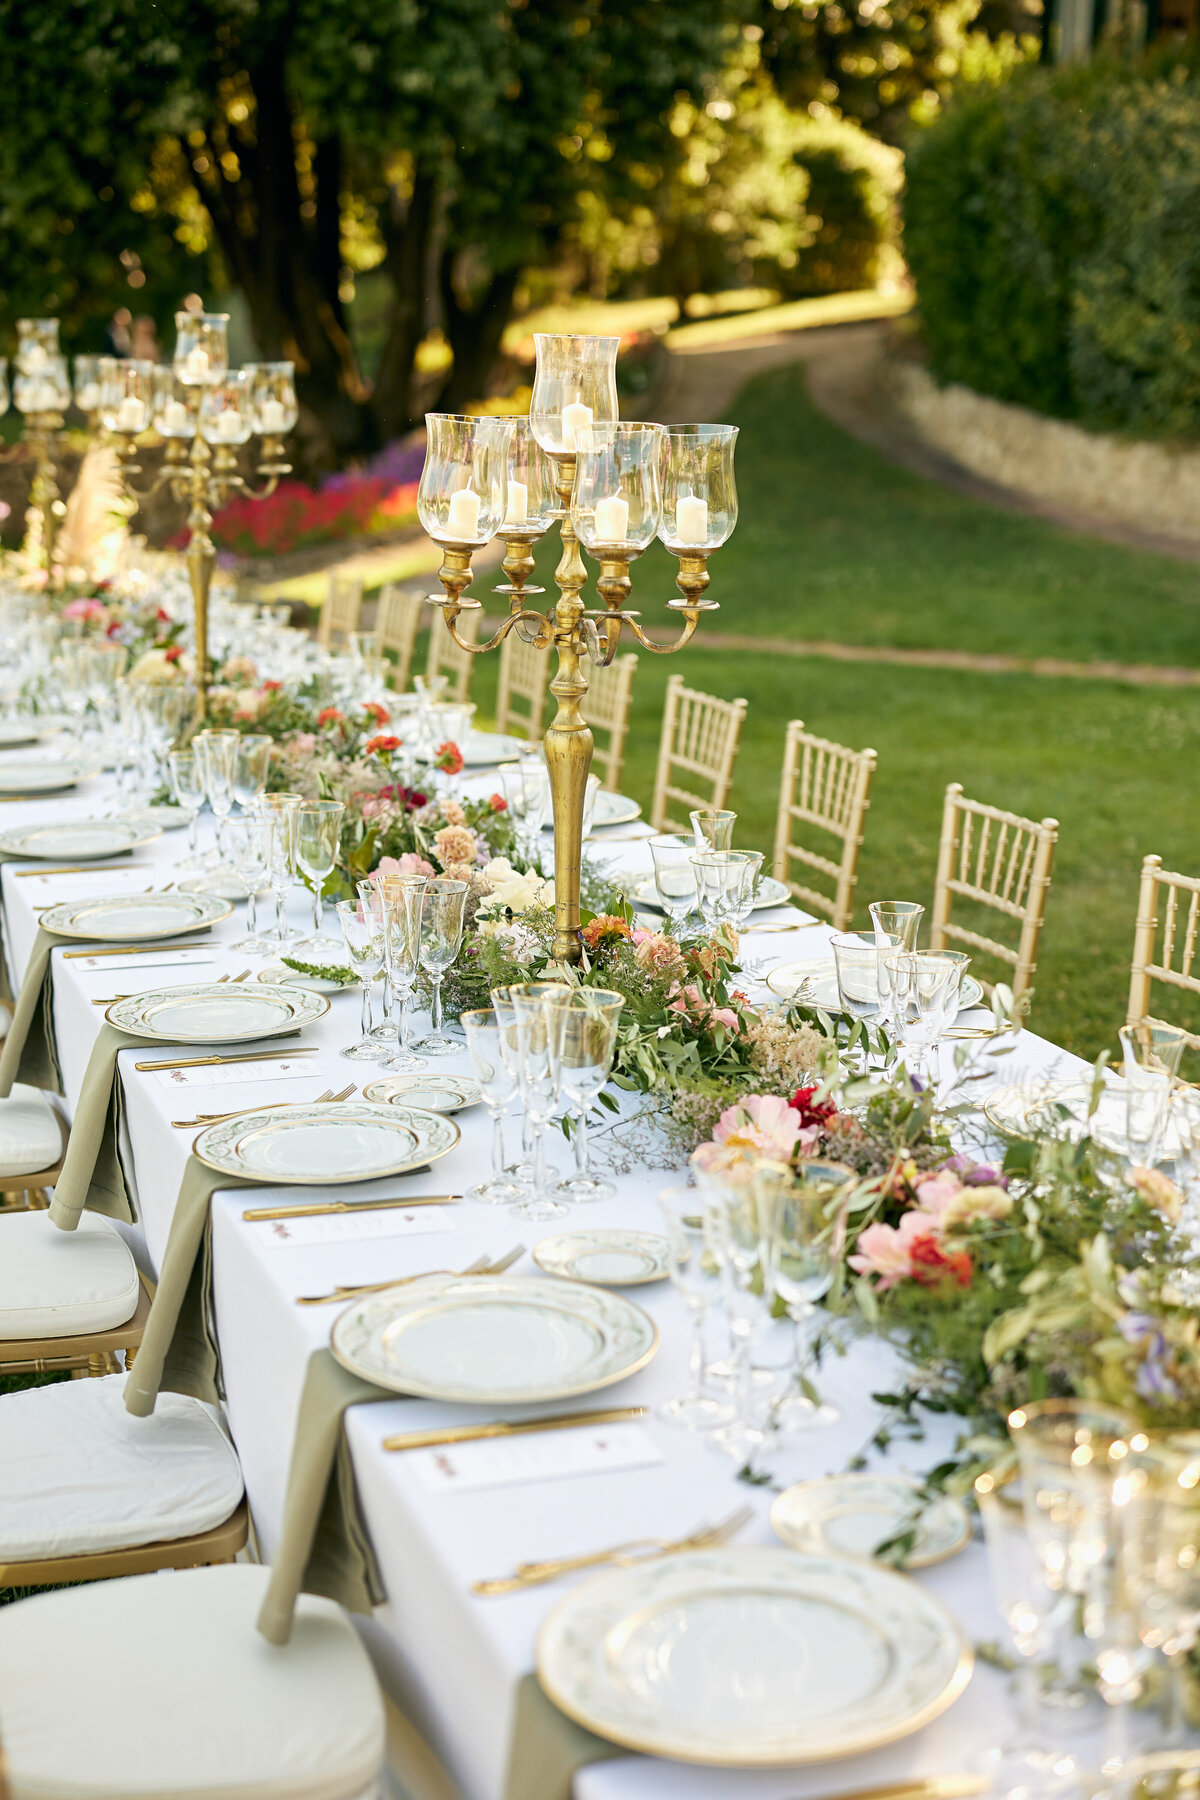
[(1053, 229)]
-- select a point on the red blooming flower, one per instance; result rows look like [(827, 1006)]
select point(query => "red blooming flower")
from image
[(812, 1112), (932, 1264), (498, 803), (172, 653), (163, 617), (378, 746), (272, 687), (330, 715), (449, 759), (380, 714)]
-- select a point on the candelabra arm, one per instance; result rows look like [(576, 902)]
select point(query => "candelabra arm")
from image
[(691, 620), (271, 470), (692, 579)]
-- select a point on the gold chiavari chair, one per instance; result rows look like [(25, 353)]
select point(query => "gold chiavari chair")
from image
[(341, 611), (699, 742), (1172, 901), (398, 618), (825, 786), (448, 658), (522, 687), (608, 705), (997, 860)]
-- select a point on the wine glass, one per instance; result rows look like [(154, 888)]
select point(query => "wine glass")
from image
[(712, 828), (539, 1017), (401, 898), (217, 751), (250, 768), (318, 830), (281, 809), (497, 1085), (362, 931), (797, 1269), (922, 989), (248, 846), (674, 878), (589, 1039), (744, 886), (899, 919), (1152, 1053), (718, 875), (187, 786), (687, 1266), (441, 940), (733, 1237)]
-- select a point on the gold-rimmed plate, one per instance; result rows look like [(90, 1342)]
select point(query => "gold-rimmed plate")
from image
[(814, 983), (76, 840), (853, 1515), (433, 1092), (324, 1144), (605, 1258), (216, 1013), (749, 1657), (136, 918)]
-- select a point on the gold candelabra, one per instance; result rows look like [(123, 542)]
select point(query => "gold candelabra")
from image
[(581, 636), (45, 510)]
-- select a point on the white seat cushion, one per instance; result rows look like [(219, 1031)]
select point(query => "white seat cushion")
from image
[(79, 1473), (203, 1705), (30, 1139), (63, 1283)]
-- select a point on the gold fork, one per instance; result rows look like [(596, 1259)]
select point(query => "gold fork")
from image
[(482, 1265), (534, 1574), (327, 1098), (113, 998)]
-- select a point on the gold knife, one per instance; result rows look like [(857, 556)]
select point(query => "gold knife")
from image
[(208, 1062), (347, 1206), (144, 949), (929, 1787), (79, 869), (496, 1428)]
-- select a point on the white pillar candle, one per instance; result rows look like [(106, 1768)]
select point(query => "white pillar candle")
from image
[(272, 418), (612, 520), (175, 417), (194, 366), (32, 357), (518, 504), (39, 397), (576, 418), (131, 414), (463, 522), (87, 398), (227, 426), (691, 520)]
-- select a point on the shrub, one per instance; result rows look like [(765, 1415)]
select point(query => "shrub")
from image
[(1052, 227)]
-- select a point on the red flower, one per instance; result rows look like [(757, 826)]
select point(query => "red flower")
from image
[(272, 687), (330, 715), (172, 653), (932, 1265), (449, 759), (498, 803), (812, 1112), (163, 617), (113, 628), (380, 714), (378, 746)]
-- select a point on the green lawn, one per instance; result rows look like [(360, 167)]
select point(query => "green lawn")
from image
[(835, 543)]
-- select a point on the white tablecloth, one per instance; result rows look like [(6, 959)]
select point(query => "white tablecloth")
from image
[(461, 1657)]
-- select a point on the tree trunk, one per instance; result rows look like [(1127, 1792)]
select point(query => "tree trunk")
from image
[(407, 233), (474, 333)]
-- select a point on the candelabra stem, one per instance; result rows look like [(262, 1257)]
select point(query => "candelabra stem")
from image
[(45, 503), (568, 741), (201, 559)]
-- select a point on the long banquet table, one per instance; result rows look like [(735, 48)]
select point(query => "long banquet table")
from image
[(455, 1658)]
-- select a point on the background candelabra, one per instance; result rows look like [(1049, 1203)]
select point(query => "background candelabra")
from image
[(610, 486), (41, 392), (205, 412)]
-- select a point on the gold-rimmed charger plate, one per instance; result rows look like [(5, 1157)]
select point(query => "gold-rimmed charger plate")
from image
[(433, 1092), (609, 1258), (136, 918), (852, 1515), (216, 1012), (325, 1144)]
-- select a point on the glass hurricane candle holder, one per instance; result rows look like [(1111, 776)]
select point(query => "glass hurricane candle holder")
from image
[(224, 416), (127, 396), (273, 408), (532, 503), (699, 502), (201, 346), (4, 395), (87, 383), (175, 405), (574, 386), (616, 504), (44, 389), (37, 342), (463, 493)]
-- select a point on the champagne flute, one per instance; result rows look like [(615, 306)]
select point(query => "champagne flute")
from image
[(401, 898), (217, 751), (187, 786), (441, 940), (318, 829), (249, 846), (733, 1237), (362, 931), (697, 1288), (589, 1039), (540, 1017), (250, 768), (718, 876), (797, 1269), (281, 809), (494, 1072)]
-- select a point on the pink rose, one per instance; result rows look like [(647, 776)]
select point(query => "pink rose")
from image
[(935, 1192), (886, 1250), (761, 1125), (408, 864)]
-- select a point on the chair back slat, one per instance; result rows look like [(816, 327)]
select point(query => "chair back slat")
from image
[(998, 860), (341, 611), (700, 736), (1163, 894), (607, 709), (522, 688), (450, 659), (826, 787), (398, 618)]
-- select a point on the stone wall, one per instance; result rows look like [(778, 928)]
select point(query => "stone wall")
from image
[(1146, 485)]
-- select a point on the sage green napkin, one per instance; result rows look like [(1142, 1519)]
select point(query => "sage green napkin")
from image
[(179, 1348), (92, 1176), (30, 1053), (324, 1547), (547, 1747)]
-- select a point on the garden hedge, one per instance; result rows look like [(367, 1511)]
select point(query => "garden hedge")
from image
[(1052, 226)]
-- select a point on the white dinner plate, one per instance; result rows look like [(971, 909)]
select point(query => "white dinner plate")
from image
[(744, 1657), (215, 1013), (435, 1093), (115, 918), (493, 1339), (279, 975), (483, 748), (852, 1515), (16, 737), (42, 774), (770, 893), (1031, 1107), (820, 973), (610, 809), (158, 818), (605, 1258), (221, 882), (325, 1144), (78, 840)]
